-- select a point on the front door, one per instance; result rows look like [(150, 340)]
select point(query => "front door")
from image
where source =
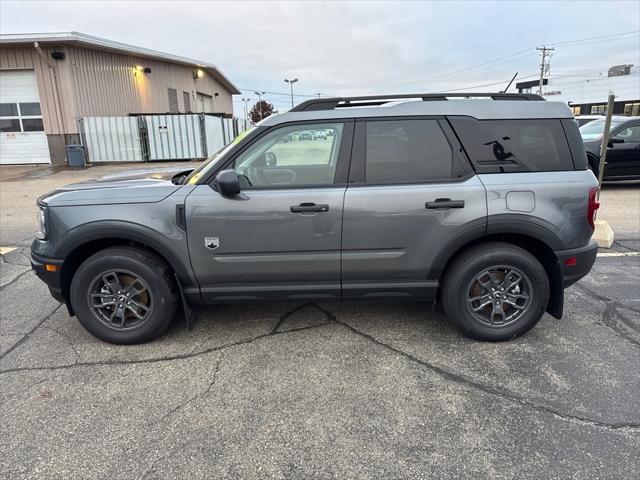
[(623, 159), (280, 237), (409, 197)]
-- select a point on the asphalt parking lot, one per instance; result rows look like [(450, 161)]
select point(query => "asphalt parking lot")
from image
[(319, 390)]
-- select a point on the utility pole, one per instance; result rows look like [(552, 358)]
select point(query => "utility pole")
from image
[(544, 65), (246, 111), (291, 82), (605, 138), (259, 94)]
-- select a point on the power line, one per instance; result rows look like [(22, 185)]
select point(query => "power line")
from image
[(502, 82), (509, 57), (566, 42), (287, 94)]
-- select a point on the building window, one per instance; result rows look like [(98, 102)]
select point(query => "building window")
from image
[(186, 98), (632, 109), (598, 109), (21, 117), (173, 100), (575, 109)]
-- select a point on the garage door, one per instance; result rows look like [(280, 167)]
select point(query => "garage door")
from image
[(22, 137)]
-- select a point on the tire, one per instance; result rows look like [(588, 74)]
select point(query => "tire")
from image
[(495, 265), (146, 278)]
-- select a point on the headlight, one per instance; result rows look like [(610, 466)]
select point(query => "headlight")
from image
[(42, 223)]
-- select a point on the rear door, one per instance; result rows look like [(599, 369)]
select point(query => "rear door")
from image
[(280, 237), (410, 195), (623, 159)]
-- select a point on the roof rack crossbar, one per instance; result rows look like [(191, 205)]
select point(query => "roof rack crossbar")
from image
[(376, 100)]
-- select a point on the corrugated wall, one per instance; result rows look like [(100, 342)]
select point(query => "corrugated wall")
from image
[(96, 83), (16, 58), (107, 84)]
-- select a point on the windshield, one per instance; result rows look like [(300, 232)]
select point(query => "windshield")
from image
[(206, 166), (593, 130)]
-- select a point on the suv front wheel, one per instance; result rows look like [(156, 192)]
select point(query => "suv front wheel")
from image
[(124, 295), (495, 291)]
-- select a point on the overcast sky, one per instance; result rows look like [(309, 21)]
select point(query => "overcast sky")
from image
[(339, 48)]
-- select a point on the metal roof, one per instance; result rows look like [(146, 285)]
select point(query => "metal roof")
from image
[(478, 108), (104, 44)]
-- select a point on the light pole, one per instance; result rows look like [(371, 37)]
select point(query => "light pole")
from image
[(259, 94), (246, 111), (291, 82)]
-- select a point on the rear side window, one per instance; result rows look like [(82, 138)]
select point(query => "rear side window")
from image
[(407, 151), (514, 145)]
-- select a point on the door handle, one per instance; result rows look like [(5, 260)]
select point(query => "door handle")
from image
[(444, 204), (309, 208)]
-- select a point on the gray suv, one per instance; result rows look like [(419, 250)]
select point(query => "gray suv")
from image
[(481, 202)]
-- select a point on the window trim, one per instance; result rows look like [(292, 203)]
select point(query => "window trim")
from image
[(21, 117), (357, 171), (342, 162)]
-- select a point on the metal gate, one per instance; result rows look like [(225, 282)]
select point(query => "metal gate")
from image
[(175, 137), (111, 139), (154, 137)]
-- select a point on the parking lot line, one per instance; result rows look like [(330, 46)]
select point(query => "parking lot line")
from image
[(618, 254), (5, 250)]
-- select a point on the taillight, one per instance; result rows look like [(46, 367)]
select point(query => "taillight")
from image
[(594, 204)]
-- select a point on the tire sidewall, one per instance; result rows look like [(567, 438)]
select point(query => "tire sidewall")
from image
[(161, 314), (539, 295)]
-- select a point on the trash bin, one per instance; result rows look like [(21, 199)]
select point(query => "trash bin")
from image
[(76, 155)]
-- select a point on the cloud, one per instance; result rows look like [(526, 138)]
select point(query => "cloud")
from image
[(341, 48)]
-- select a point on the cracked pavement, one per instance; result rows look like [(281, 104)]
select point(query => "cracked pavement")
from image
[(323, 390)]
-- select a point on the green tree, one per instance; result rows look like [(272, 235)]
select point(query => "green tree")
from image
[(261, 110)]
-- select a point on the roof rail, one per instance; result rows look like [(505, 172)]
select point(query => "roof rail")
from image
[(377, 100)]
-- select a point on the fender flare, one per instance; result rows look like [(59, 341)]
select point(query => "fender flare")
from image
[(509, 223), (119, 230)]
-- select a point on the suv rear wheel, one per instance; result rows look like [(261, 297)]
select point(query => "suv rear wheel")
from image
[(124, 295), (495, 291)]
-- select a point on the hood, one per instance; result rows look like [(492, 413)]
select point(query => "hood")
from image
[(139, 186), (592, 146)]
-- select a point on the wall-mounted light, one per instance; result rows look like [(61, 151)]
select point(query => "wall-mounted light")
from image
[(140, 68), (198, 73), (56, 55)]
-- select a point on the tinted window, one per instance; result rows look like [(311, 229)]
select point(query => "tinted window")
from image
[(32, 125), (295, 156), (8, 110), (407, 151), (514, 145), (29, 109), (9, 125)]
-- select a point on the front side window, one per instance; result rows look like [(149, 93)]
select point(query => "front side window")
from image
[(407, 151), (630, 134), (294, 156)]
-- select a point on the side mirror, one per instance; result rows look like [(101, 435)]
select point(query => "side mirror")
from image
[(270, 159), (228, 183), (616, 140)]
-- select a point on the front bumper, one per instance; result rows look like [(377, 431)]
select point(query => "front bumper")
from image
[(52, 279), (575, 263)]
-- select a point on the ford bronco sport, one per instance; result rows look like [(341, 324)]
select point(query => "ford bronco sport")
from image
[(481, 202)]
